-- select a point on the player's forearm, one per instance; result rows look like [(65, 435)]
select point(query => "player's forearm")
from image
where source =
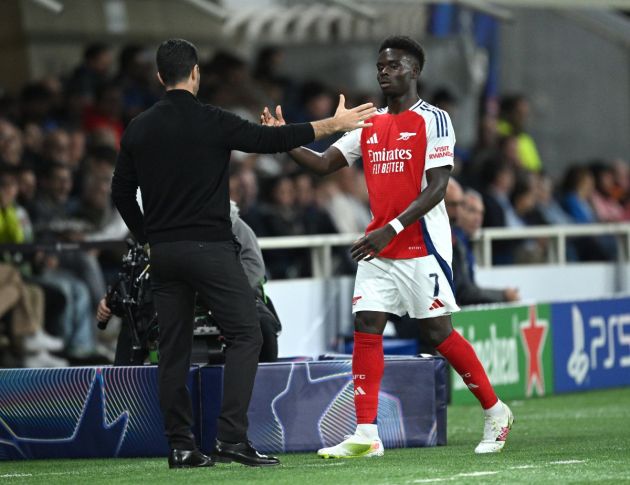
[(437, 180), (314, 161), (419, 207)]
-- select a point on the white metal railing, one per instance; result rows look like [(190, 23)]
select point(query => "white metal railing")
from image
[(558, 235), (321, 245)]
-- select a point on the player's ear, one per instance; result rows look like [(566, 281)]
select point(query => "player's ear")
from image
[(415, 71), (160, 79)]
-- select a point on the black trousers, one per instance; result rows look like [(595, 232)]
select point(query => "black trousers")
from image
[(214, 271)]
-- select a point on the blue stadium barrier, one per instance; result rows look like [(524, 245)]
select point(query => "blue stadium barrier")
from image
[(591, 343), (88, 412), (303, 406), (83, 412)]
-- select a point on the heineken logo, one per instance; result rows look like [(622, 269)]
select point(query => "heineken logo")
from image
[(533, 333), (511, 344)]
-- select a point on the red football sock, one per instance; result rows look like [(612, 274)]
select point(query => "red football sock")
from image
[(461, 355), (367, 371)]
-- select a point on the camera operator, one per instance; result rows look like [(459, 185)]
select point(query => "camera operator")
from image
[(254, 266)]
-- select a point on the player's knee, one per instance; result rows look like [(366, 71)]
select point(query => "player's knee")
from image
[(434, 331), (368, 323)]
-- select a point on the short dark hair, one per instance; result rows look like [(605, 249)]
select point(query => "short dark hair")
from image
[(406, 44), (509, 102), (92, 51), (175, 59)]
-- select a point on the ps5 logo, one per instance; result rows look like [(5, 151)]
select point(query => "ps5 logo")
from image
[(610, 334)]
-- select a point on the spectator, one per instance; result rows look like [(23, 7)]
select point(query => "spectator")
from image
[(73, 320), (486, 147), (280, 217), (343, 201), (137, 80), (103, 222), (53, 222), (498, 177), (25, 304), (444, 99), (11, 145), (106, 112), (92, 73), (606, 208), (548, 210), (315, 219), (514, 113), (578, 188), (523, 200), (37, 103), (317, 102), (467, 292)]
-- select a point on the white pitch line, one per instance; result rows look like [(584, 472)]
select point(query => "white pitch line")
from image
[(337, 463), (431, 480), (20, 475), (485, 473), (475, 474), (455, 477)]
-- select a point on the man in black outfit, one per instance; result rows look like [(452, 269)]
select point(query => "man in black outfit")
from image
[(178, 153)]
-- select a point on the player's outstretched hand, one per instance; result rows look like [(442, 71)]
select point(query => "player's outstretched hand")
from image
[(353, 118), (370, 245), (267, 119)]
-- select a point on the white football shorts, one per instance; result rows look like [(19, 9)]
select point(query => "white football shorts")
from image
[(417, 286)]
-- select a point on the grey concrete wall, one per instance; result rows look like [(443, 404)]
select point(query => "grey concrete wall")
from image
[(578, 82)]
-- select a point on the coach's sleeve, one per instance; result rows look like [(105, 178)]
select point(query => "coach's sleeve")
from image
[(243, 135), (124, 192), (440, 141), (350, 145)]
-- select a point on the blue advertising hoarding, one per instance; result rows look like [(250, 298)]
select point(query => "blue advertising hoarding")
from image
[(591, 341)]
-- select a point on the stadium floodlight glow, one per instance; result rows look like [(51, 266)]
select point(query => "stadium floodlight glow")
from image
[(210, 8), (53, 6), (359, 10)]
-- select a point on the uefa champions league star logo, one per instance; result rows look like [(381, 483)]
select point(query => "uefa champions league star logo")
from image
[(578, 363)]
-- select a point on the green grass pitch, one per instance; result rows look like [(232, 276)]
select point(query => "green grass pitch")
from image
[(561, 439)]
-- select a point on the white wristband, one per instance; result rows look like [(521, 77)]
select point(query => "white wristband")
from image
[(397, 225)]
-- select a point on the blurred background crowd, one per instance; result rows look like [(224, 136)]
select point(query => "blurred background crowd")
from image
[(59, 138)]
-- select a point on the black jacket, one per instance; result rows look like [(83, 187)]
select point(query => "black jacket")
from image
[(467, 292), (178, 152)]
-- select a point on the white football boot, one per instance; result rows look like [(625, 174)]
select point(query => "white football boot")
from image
[(497, 426), (364, 443)]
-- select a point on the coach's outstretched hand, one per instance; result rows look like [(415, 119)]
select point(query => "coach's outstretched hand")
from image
[(344, 119)]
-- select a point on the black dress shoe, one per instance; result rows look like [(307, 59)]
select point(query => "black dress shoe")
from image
[(188, 459), (243, 453)]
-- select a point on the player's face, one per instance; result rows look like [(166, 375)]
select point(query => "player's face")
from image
[(396, 71)]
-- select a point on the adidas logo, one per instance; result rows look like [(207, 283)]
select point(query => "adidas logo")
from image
[(503, 434), (373, 140), (359, 391), (405, 135), (436, 304)]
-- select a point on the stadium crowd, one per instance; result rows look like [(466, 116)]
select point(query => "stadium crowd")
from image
[(59, 138)]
